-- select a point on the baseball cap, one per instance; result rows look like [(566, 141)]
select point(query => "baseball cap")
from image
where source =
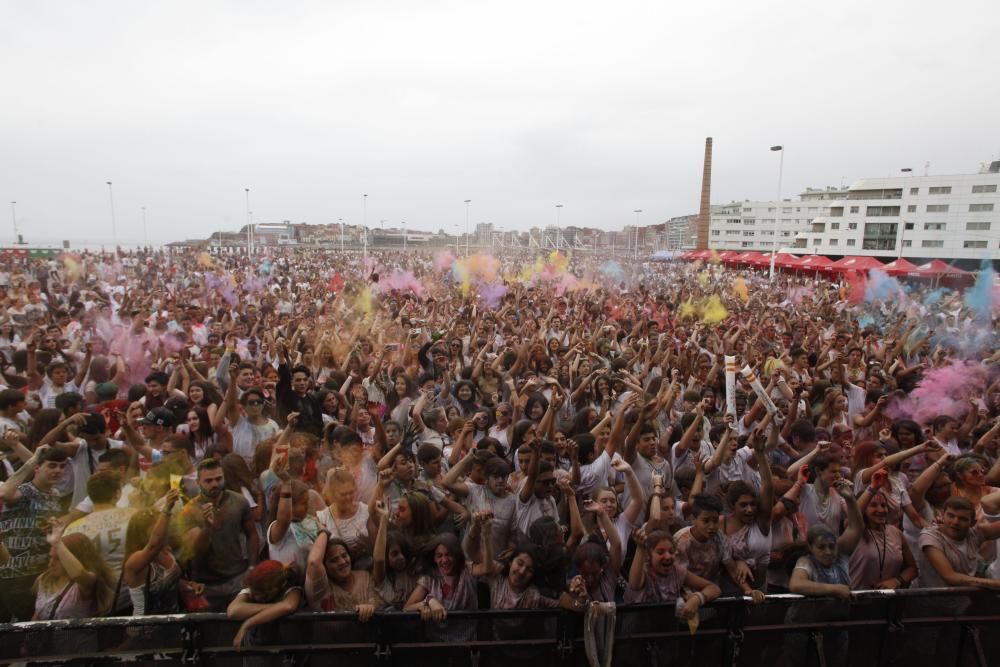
[(106, 391), (160, 417)]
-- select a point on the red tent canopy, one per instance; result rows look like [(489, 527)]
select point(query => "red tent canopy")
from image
[(856, 263), (814, 263), (939, 269), (785, 260), (727, 256), (750, 257), (901, 267)]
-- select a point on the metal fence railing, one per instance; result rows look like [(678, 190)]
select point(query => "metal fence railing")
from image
[(939, 627)]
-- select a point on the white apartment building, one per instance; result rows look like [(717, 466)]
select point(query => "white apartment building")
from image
[(757, 225), (947, 217)]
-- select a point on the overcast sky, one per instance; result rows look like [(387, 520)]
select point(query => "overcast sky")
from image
[(600, 106)]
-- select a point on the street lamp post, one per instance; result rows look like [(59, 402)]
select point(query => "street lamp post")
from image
[(341, 220), (364, 218), (114, 227), (467, 202), (777, 215), (13, 219), (145, 237), (558, 226), (246, 192), (404, 235)]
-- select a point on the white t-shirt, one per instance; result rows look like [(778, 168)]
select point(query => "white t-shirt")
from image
[(526, 513), (84, 464), (106, 529), (594, 475), (47, 392), (481, 498), (247, 436)]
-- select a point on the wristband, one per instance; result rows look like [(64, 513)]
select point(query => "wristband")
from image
[(701, 597)]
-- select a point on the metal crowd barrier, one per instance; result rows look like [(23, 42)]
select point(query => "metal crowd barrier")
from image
[(936, 627)]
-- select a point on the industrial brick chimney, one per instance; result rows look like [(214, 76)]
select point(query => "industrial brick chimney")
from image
[(705, 212)]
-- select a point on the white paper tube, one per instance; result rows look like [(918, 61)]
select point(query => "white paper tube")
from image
[(731, 386), (758, 389)]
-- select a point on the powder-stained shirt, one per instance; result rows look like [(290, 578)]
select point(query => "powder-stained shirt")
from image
[(22, 529), (702, 558)]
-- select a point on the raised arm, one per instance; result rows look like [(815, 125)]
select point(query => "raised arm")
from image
[(636, 495), (141, 559), (848, 540)]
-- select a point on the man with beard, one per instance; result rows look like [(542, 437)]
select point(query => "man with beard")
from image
[(220, 533)]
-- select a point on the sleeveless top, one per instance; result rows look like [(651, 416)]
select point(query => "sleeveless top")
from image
[(160, 594)]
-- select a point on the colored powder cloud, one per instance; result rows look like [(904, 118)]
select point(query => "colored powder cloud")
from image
[(983, 298), (941, 391), (883, 287)]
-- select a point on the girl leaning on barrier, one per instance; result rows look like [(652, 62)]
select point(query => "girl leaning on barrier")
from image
[(824, 573)]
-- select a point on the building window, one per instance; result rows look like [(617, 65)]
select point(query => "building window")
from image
[(817, 241), (907, 243), (980, 189), (747, 233), (771, 209), (834, 225), (940, 190), (882, 211), (731, 232), (852, 225), (851, 242), (747, 210), (912, 208), (833, 241), (977, 226), (878, 244), (914, 191), (980, 208), (937, 208), (715, 232), (786, 209), (837, 212), (747, 244), (932, 244), (934, 226), (749, 221), (855, 209), (974, 244)]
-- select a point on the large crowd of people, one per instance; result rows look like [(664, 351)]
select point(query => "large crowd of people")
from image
[(315, 430)]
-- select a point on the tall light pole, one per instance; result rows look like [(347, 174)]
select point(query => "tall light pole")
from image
[(635, 234), (13, 219), (364, 217), (467, 202), (558, 225), (246, 192), (777, 216), (341, 220), (114, 227), (145, 237), (404, 235)]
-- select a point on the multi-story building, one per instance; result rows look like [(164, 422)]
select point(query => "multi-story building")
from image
[(948, 217), (678, 233), (758, 225)]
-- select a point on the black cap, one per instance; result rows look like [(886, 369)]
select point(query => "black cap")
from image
[(160, 417)]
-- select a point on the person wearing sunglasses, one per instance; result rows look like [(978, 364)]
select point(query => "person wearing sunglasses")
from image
[(246, 418)]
